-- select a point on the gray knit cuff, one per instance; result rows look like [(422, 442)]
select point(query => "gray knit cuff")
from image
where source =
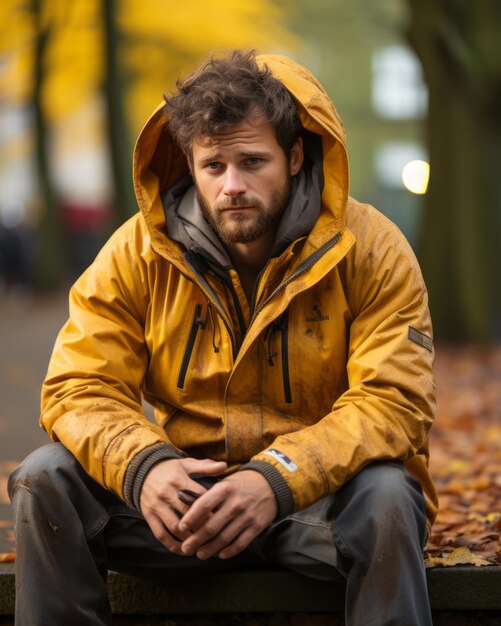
[(141, 465), (280, 487)]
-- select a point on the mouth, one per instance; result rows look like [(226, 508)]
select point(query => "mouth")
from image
[(236, 208)]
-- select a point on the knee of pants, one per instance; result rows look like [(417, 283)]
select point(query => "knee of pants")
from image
[(38, 472), (387, 494), (381, 508)]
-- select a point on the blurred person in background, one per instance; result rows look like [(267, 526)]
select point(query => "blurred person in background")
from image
[(15, 262), (281, 331)]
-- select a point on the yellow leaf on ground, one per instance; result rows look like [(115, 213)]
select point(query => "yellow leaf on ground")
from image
[(459, 556)]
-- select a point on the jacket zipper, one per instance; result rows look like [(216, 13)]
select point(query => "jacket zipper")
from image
[(256, 288), (225, 278), (281, 325), (190, 258), (285, 358), (197, 322), (304, 267), (238, 308)]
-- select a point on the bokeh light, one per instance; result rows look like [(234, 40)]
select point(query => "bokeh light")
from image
[(415, 176)]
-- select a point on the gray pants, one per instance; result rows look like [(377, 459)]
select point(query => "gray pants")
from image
[(70, 531)]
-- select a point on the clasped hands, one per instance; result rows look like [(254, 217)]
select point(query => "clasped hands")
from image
[(221, 521)]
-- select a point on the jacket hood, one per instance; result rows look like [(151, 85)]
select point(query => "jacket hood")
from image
[(159, 163)]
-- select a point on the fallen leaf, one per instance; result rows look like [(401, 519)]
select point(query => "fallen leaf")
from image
[(481, 483), (459, 556)]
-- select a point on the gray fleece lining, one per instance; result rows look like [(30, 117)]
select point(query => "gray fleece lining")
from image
[(188, 222)]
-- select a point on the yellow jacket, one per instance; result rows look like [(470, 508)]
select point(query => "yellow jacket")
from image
[(331, 370)]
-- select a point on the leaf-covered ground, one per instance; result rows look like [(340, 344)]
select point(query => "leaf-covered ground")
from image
[(466, 457), (465, 461)]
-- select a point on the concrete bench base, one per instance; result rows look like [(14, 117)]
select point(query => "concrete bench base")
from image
[(450, 589)]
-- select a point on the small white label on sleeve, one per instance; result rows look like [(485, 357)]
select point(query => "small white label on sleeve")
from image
[(281, 458)]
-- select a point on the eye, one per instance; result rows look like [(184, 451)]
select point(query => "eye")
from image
[(251, 161), (213, 166)]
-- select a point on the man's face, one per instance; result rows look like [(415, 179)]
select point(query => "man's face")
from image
[(243, 180)]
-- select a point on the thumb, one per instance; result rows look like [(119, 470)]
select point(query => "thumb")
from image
[(203, 466)]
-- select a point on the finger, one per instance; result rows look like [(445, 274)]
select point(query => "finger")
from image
[(214, 516), (224, 539), (156, 502), (212, 527), (240, 543), (190, 486), (193, 484), (203, 466), (163, 535), (169, 517), (209, 527), (202, 509), (187, 496)]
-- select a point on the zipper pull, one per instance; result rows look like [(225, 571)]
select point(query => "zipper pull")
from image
[(270, 332), (213, 323)]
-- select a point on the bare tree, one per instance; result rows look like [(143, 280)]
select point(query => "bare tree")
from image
[(50, 255), (460, 49), (118, 136)]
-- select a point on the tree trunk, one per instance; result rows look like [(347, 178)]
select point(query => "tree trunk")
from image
[(460, 251), (50, 253), (120, 146)]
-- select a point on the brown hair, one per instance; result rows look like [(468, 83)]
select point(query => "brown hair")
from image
[(224, 92)]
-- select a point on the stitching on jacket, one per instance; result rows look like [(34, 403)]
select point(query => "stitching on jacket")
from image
[(110, 446), (314, 458)]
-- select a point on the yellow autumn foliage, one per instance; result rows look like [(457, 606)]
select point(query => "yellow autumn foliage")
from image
[(164, 41), (16, 51), (73, 66), (158, 40)]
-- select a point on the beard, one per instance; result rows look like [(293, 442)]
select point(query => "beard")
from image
[(249, 225)]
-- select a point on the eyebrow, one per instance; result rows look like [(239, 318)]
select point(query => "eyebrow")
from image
[(244, 154)]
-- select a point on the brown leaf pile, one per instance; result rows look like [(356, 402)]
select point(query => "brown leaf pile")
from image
[(466, 457)]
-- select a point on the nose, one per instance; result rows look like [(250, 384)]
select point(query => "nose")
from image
[(234, 184)]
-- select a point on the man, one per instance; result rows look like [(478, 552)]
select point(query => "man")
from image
[(280, 330)]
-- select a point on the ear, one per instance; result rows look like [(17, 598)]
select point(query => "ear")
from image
[(296, 157)]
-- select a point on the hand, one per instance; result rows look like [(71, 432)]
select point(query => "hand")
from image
[(225, 519), (160, 502)]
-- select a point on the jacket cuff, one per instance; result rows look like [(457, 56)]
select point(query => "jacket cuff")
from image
[(140, 466), (281, 489)]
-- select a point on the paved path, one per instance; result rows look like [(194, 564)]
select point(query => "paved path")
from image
[(27, 333), (28, 328)]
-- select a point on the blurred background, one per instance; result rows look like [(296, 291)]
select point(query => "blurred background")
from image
[(417, 83)]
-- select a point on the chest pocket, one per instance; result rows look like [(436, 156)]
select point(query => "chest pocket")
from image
[(201, 321), (304, 357), (277, 352), (197, 324)]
